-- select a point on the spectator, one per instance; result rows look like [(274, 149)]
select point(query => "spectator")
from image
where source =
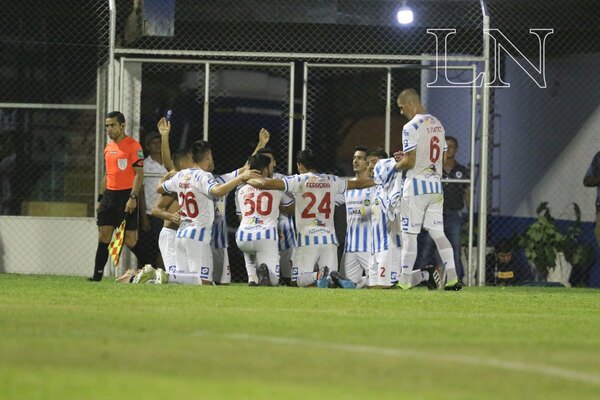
[(501, 268)]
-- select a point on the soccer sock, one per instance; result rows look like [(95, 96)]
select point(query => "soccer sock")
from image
[(307, 279), (184, 279), (446, 253), (101, 259), (362, 282), (418, 276), (137, 251), (408, 256)]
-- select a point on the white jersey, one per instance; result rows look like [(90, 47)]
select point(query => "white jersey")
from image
[(315, 204), (385, 231), (260, 212), (151, 196), (358, 220), (219, 232), (196, 206), (425, 135), (287, 228)]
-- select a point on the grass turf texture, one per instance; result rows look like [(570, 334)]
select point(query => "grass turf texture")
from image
[(64, 338)]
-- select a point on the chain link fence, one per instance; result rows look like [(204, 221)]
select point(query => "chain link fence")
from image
[(54, 76)]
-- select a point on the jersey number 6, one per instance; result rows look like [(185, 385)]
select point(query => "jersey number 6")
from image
[(434, 149)]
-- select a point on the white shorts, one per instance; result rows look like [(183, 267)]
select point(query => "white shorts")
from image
[(384, 268), (285, 262), (221, 269), (353, 265), (305, 258), (258, 252), (194, 257), (426, 210), (166, 244)]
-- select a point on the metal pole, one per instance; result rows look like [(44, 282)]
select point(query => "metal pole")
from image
[(206, 98), (111, 54), (122, 85), (388, 110), (51, 106), (99, 132), (304, 97), (471, 175), (291, 119), (483, 187)]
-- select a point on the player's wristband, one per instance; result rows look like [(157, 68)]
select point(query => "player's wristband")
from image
[(100, 196)]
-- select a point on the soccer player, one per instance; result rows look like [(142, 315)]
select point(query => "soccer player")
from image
[(314, 207), (386, 249), (196, 188), (220, 240), (423, 141), (167, 209), (257, 235), (357, 248), (121, 185), (285, 224)]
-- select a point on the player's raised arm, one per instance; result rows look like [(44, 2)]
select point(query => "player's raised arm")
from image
[(164, 128)]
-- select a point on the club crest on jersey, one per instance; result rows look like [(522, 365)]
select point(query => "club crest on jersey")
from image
[(122, 163), (458, 175)]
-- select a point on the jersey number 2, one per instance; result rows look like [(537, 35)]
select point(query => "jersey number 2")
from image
[(324, 206)]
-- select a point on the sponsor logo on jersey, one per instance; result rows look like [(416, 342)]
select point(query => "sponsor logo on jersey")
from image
[(204, 272), (254, 221), (405, 222), (394, 276), (122, 163), (140, 153), (113, 153), (294, 272), (367, 202), (318, 223)]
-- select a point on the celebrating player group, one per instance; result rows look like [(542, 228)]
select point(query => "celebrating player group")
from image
[(287, 231)]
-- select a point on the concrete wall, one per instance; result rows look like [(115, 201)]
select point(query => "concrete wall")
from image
[(46, 245)]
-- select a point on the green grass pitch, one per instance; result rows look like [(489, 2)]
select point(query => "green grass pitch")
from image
[(64, 338)]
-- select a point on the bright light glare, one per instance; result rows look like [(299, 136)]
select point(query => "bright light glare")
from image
[(405, 16)]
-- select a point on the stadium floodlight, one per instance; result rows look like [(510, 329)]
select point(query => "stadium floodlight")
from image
[(405, 15)]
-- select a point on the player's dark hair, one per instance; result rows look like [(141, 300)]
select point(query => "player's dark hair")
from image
[(377, 152), (199, 149), (259, 162), (118, 115), (307, 158), (265, 150), (453, 139), (360, 148), (178, 157)]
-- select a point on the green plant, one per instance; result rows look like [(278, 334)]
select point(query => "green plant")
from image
[(543, 240)]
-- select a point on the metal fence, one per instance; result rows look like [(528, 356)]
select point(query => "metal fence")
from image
[(316, 74)]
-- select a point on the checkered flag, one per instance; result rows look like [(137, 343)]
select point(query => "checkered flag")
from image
[(116, 244)]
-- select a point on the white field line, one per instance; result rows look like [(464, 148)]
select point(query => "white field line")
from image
[(513, 366)]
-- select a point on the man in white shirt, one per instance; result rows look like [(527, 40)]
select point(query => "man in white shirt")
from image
[(357, 244), (421, 163), (257, 235)]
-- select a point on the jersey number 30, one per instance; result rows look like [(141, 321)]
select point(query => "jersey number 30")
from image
[(263, 204)]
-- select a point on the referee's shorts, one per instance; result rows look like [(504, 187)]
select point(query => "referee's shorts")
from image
[(112, 210)]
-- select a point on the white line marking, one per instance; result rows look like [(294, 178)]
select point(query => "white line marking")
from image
[(514, 366)]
